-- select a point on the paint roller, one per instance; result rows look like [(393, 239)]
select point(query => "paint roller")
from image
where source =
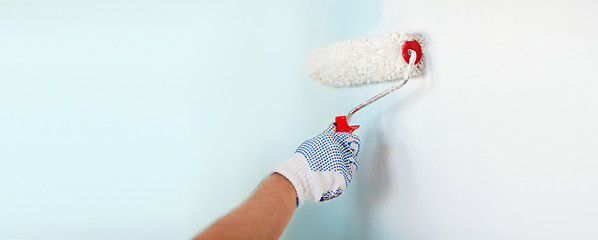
[(379, 58)]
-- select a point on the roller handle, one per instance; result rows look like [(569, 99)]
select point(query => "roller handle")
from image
[(343, 126)]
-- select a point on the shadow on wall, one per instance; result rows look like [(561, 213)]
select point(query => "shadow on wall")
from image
[(375, 176)]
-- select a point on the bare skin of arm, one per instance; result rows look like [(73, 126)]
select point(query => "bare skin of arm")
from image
[(263, 216)]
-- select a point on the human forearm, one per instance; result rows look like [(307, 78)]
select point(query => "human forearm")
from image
[(263, 216), (319, 170)]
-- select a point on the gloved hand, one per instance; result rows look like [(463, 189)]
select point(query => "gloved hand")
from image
[(322, 167)]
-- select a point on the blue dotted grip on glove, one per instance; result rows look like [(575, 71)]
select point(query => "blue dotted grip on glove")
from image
[(332, 151)]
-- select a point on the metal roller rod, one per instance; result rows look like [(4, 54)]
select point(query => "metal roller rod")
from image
[(412, 57)]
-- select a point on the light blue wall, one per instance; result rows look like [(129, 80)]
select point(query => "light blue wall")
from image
[(149, 119)]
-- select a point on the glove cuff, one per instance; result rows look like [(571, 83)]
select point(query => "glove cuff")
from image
[(295, 171)]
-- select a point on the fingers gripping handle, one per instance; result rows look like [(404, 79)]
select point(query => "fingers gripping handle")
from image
[(343, 126)]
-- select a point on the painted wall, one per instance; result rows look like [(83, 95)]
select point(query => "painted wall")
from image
[(497, 141), (150, 119)]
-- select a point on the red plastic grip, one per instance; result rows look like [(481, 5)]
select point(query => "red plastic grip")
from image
[(413, 45), (343, 126)]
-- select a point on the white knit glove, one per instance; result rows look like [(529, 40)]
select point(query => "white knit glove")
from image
[(322, 167)]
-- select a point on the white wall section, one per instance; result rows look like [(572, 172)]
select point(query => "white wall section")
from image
[(499, 139)]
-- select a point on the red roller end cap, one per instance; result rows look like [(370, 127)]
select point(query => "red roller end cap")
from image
[(343, 126), (413, 45)]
